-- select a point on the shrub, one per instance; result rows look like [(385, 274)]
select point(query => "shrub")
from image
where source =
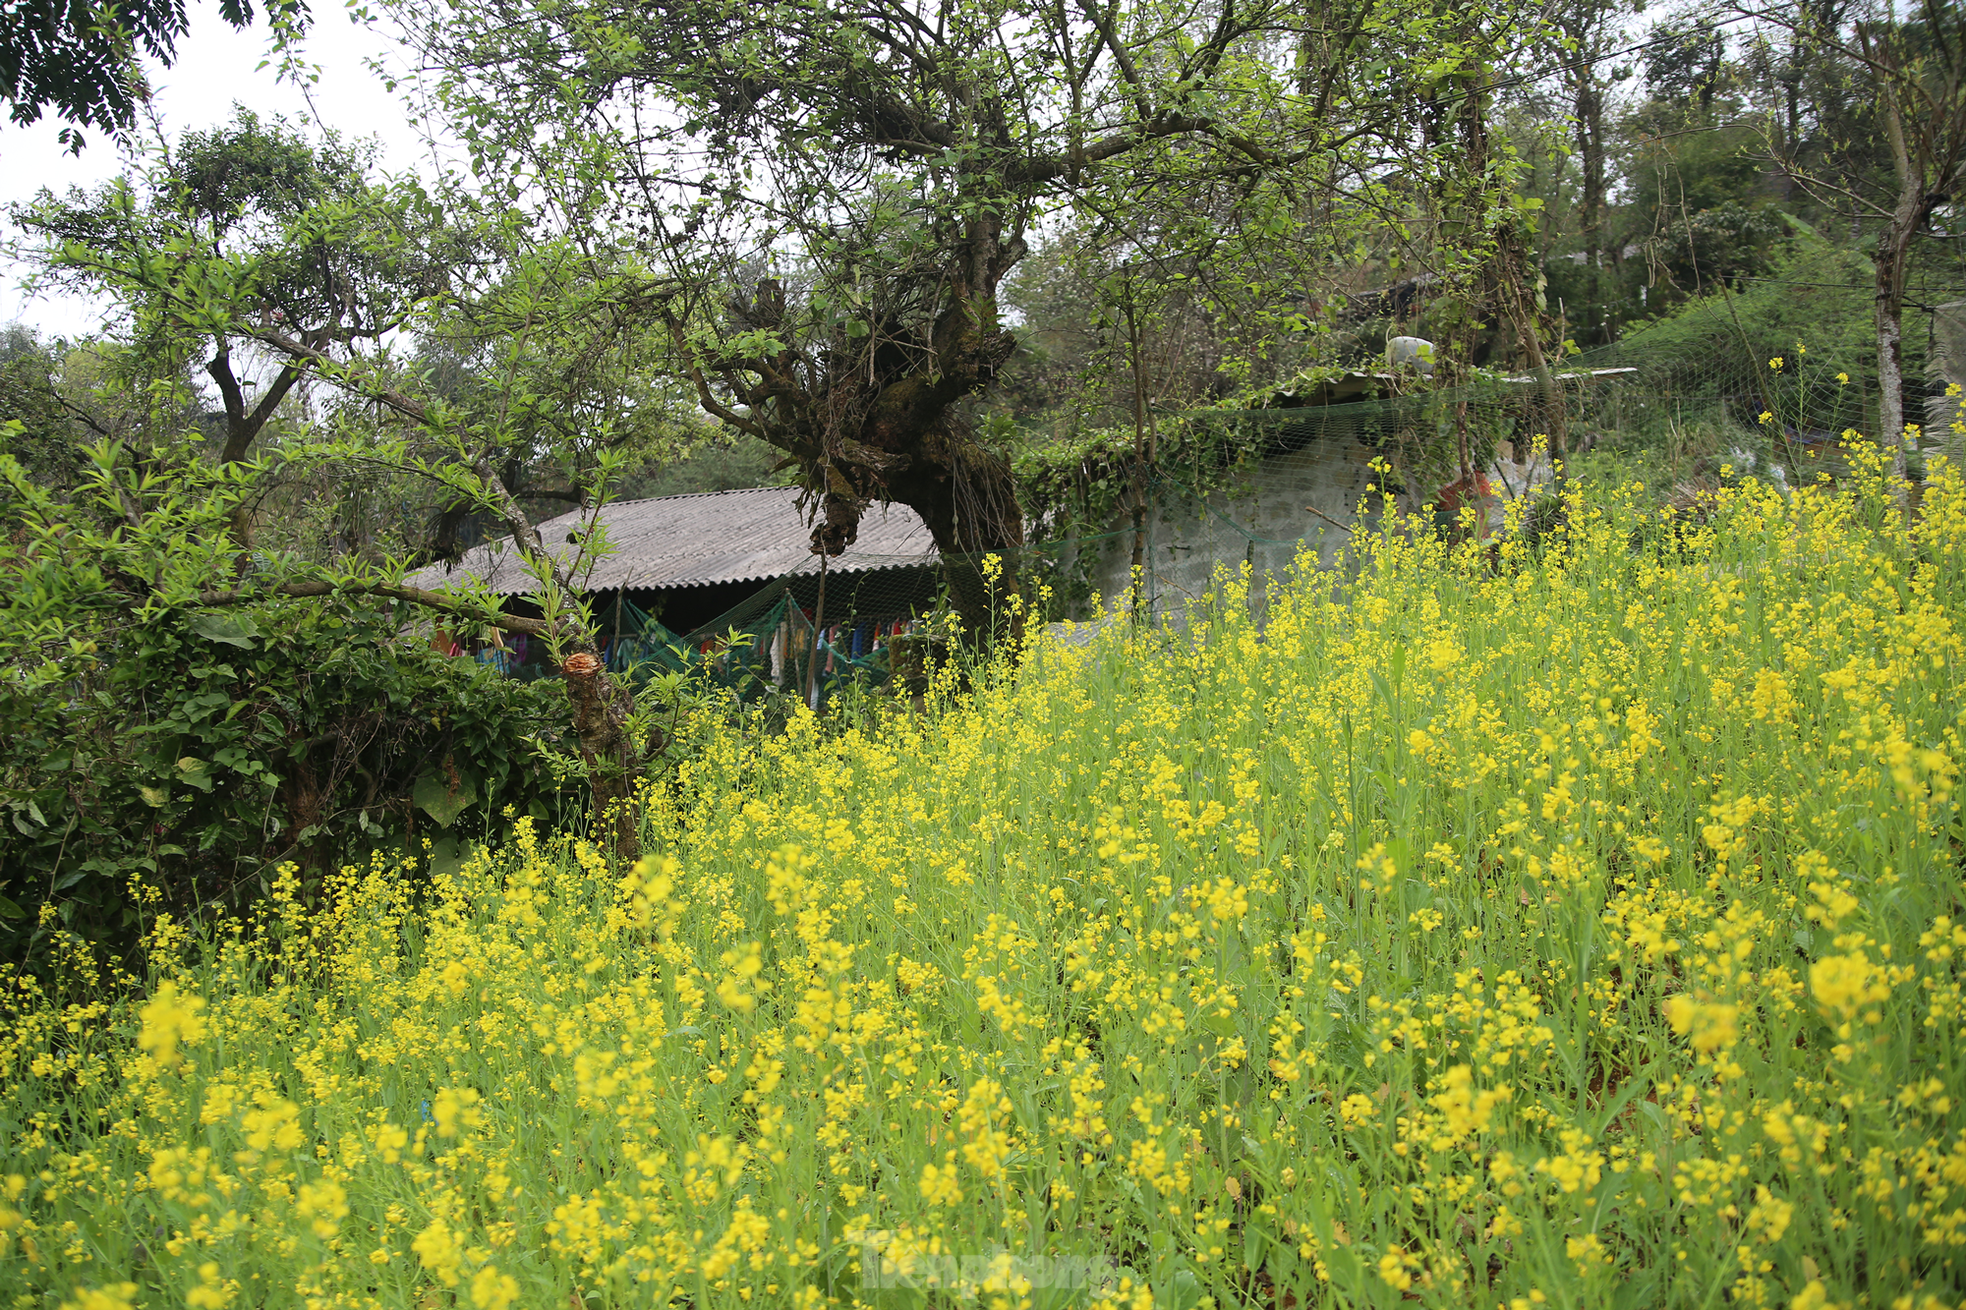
[(192, 753)]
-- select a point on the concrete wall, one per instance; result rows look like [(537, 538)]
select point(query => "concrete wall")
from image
[(1263, 520)]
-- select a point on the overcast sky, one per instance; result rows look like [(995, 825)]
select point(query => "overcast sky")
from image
[(215, 70)]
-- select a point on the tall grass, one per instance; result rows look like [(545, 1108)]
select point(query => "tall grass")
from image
[(1575, 923)]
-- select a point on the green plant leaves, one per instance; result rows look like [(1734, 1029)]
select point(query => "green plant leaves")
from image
[(442, 800), (144, 754), (195, 772), (231, 629)]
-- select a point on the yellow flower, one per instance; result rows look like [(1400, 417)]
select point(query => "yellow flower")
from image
[(390, 1141), (985, 1145), (1032, 908), (115, 1296), (456, 1107), (939, 1185), (1711, 1024), (1843, 984), (326, 1204), (1463, 1110), (1770, 1217), (1767, 416), (491, 1290), (1776, 363), (745, 963), (212, 1293), (1650, 849), (168, 1021), (437, 1249), (274, 1125), (1843, 379)]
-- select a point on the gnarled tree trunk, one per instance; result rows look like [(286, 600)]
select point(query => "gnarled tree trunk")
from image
[(879, 421), (968, 500)]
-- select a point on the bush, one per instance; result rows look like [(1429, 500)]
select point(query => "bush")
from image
[(190, 754)]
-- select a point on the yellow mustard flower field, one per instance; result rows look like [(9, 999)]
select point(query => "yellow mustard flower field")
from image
[(1574, 923)]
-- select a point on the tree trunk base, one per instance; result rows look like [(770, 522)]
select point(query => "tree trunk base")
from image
[(600, 717)]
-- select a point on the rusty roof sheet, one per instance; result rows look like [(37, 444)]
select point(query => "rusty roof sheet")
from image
[(692, 541)]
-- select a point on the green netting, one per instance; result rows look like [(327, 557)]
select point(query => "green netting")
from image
[(635, 643), (769, 642)]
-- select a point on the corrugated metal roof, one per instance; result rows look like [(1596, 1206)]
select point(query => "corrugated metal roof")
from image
[(692, 541)]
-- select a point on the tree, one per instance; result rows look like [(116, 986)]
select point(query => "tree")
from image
[(1916, 67), (169, 749), (562, 343), (1170, 296), (247, 227), (42, 438), (1589, 29), (1920, 73), (1463, 213), (1686, 64), (78, 57), (837, 196), (277, 257)]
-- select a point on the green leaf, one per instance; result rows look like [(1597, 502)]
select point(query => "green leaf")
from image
[(10, 909), (1220, 1024), (447, 855), (155, 797), (435, 797), (195, 772), (232, 629)]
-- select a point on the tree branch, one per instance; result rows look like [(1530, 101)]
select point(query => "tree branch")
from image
[(394, 590), (395, 400), (1104, 23), (276, 393)]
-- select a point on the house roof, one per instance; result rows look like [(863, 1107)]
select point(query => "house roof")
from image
[(750, 535)]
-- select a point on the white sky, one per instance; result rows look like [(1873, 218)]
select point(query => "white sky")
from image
[(214, 70)]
